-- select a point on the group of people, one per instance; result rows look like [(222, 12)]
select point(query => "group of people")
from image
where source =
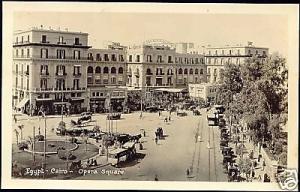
[(90, 163)]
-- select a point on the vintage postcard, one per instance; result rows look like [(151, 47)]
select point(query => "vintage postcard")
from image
[(150, 96)]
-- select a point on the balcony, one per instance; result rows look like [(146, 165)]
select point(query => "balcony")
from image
[(149, 73), (44, 42), (76, 74), (44, 73), (170, 74), (64, 58), (60, 73), (58, 90), (160, 73)]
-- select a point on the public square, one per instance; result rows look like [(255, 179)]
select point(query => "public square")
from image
[(167, 160)]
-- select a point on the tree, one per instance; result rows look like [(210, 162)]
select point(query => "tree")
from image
[(245, 166)]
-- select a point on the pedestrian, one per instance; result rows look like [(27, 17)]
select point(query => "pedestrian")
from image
[(156, 140), (253, 173), (156, 178), (187, 172), (144, 133), (263, 165), (169, 118)]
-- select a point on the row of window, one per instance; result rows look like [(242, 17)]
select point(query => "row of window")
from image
[(22, 70), (113, 70), (223, 60), (113, 80), (159, 59), (231, 52), (60, 83), (106, 57), (44, 40), (179, 71)]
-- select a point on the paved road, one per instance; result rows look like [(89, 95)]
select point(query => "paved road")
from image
[(170, 158)]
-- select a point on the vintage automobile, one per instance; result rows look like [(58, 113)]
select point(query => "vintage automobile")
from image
[(85, 116), (152, 109), (181, 113), (114, 116)]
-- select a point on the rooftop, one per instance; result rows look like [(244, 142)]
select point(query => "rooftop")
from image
[(49, 30)]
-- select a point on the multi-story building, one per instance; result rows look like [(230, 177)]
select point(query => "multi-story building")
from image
[(55, 68), (217, 57), (205, 91), (48, 66), (106, 77), (160, 65)]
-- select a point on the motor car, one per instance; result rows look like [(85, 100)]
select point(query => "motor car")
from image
[(181, 113), (85, 116), (114, 116)]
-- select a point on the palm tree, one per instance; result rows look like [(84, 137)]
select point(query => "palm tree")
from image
[(17, 135)]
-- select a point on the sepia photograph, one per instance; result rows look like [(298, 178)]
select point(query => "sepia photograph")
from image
[(187, 94)]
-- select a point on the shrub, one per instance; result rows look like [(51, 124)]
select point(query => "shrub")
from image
[(23, 145), (39, 137), (64, 154)]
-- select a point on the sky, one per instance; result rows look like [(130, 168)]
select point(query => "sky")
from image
[(133, 28)]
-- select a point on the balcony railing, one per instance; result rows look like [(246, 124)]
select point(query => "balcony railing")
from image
[(59, 89), (44, 73), (76, 74), (149, 73), (60, 73)]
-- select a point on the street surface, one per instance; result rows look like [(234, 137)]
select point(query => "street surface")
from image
[(168, 160)]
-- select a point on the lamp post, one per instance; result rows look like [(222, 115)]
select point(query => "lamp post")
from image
[(45, 143)]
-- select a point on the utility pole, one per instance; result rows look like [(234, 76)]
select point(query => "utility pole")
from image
[(45, 144)]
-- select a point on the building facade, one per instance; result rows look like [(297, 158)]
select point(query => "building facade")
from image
[(159, 65), (57, 70), (217, 57), (205, 91), (48, 70)]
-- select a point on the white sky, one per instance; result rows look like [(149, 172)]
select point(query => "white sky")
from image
[(133, 28)]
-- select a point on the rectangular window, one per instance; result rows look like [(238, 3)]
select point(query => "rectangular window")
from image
[(76, 70), (106, 57), (170, 59), (28, 52), (137, 58), (44, 39), (16, 40), (223, 52), (77, 41), (98, 57), (22, 38), (113, 57), (44, 53), (28, 38), (60, 54), (208, 71), (76, 54), (76, 84), (121, 58), (61, 40), (22, 52), (90, 80), (130, 58)]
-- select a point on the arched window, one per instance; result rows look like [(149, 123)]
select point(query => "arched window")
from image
[(90, 69), (98, 70), (185, 71), (191, 71), (148, 72), (180, 71), (120, 71), (196, 71), (201, 71), (105, 70), (113, 70)]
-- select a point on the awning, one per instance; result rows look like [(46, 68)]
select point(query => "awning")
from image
[(77, 98), (172, 90), (61, 103), (22, 103), (44, 99)]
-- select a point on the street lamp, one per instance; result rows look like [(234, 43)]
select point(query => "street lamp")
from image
[(45, 142)]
